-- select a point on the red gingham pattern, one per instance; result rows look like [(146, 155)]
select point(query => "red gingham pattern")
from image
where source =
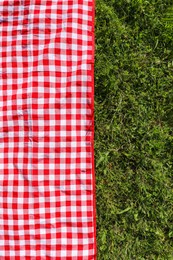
[(47, 197)]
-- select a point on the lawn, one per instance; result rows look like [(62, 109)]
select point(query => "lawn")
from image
[(134, 129)]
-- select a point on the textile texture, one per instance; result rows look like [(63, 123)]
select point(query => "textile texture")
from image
[(47, 197)]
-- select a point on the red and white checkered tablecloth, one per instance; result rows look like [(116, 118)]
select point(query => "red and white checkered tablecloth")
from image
[(47, 183)]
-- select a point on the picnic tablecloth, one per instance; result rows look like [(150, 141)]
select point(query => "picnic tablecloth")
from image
[(47, 184)]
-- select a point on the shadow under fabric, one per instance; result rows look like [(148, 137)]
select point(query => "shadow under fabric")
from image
[(47, 181)]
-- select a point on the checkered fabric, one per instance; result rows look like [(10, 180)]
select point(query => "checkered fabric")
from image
[(47, 197)]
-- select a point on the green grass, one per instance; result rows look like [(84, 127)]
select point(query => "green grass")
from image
[(134, 130), (168, 17)]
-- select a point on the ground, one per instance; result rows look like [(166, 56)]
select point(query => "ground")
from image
[(134, 130)]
